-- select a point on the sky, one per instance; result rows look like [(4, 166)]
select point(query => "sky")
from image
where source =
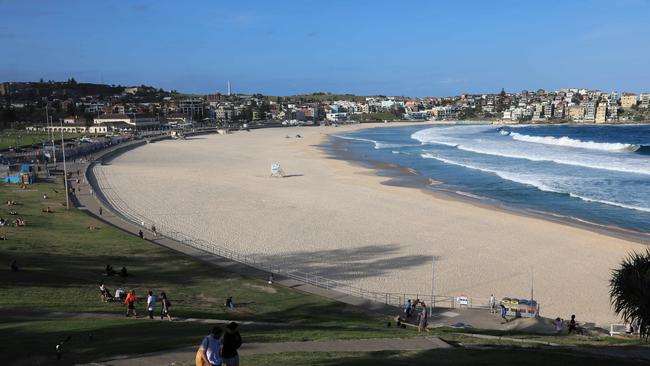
[(411, 48)]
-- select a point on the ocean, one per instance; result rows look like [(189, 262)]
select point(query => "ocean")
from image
[(597, 175)]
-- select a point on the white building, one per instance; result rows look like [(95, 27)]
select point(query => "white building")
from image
[(137, 121)]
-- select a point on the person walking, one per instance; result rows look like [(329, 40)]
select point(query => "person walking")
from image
[(408, 309), (422, 318), (151, 303), (164, 306), (130, 304), (231, 342), (141, 234), (209, 353), (101, 211)]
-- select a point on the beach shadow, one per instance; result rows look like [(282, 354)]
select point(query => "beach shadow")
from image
[(348, 263), (292, 175)]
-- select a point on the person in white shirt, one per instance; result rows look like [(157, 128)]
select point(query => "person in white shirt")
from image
[(119, 293), (492, 304), (151, 304)]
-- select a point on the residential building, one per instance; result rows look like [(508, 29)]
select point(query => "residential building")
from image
[(644, 100), (590, 111), (192, 107), (601, 112), (628, 100), (576, 112)]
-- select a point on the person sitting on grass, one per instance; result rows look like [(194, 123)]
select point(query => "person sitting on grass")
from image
[(3, 222), (109, 270), (20, 221), (105, 293), (229, 303), (47, 210), (130, 304)]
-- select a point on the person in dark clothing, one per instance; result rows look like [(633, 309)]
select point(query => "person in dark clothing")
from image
[(164, 306), (101, 211), (572, 324), (231, 342), (141, 234), (109, 270), (14, 266), (123, 272)]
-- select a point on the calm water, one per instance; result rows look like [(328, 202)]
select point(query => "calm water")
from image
[(597, 174)]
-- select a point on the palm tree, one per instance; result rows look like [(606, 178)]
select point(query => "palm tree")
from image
[(630, 291)]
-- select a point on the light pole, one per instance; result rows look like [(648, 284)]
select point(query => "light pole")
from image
[(433, 272), (65, 170)]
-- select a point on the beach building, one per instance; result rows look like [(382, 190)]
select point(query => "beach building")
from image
[(628, 100), (130, 120)]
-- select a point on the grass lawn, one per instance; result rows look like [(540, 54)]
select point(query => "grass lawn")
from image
[(456, 356), (13, 138)]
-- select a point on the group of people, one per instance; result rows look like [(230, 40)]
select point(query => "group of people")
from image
[(422, 318), (130, 300), (559, 325), (220, 348), (111, 272)]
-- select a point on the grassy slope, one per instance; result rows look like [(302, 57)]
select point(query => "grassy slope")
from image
[(62, 263), (436, 357)]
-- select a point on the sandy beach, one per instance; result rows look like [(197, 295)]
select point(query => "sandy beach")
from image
[(336, 219)]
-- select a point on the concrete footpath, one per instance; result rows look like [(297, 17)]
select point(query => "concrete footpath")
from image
[(186, 355)]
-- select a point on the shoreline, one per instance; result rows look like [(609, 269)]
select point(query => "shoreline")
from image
[(402, 176)]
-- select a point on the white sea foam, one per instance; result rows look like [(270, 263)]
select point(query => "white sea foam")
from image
[(475, 139), (569, 142), (378, 145), (534, 181)]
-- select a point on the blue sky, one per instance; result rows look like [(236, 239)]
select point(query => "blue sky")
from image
[(415, 48)]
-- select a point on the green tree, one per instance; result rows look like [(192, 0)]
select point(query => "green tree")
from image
[(630, 291)]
